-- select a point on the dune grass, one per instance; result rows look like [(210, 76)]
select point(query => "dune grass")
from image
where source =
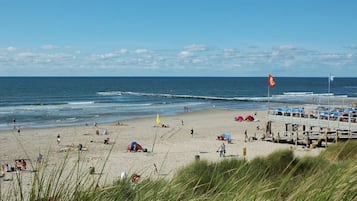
[(280, 176)]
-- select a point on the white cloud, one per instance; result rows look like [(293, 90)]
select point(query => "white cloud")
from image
[(196, 61), (353, 46), (141, 51), (196, 48), (11, 49), (107, 56), (230, 53), (190, 50), (48, 47), (122, 51), (185, 54)]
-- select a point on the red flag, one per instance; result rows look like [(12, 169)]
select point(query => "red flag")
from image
[(271, 81)]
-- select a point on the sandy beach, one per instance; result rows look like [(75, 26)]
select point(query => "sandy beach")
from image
[(169, 148)]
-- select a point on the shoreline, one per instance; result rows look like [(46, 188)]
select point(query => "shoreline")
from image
[(85, 124), (72, 119)]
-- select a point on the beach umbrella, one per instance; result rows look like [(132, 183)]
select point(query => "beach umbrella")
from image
[(279, 109), (350, 110), (287, 110), (335, 114), (324, 113), (298, 110)]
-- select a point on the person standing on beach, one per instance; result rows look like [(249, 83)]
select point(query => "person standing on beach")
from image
[(192, 132), (58, 139), (245, 136), (14, 123), (222, 150)]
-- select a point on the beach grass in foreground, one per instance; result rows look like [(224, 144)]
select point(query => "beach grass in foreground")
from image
[(332, 175)]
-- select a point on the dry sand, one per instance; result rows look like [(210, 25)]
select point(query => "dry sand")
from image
[(168, 148)]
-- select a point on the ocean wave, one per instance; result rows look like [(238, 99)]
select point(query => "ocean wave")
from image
[(307, 95), (6, 112), (286, 96), (350, 87), (111, 93), (81, 103)]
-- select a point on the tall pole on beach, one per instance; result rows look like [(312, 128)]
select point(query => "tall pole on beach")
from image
[(271, 83), (153, 144), (330, 78), (329, 84), (158, 122), (268, 98)]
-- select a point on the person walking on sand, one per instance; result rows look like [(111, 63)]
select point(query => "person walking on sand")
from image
[(245, 136), (58, 139), (14, 123), (192, 132), (222, 150)]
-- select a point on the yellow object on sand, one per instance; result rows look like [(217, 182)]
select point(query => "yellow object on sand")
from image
[(158, 121)]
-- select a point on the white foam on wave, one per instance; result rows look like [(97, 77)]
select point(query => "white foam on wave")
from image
[(109, 93), (185, 96), (306, 94), (81, 103), (298, 93)]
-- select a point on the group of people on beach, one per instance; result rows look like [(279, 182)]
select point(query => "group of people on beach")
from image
[(20, 164)]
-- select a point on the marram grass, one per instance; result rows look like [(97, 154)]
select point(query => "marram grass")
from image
[(280, 176)]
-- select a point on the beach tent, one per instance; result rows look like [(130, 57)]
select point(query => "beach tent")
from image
[(249, 118), (134, 146), (238, 118), (225, 136)]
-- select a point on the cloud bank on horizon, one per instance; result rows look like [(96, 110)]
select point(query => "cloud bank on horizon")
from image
[(191, 60), (178, 38)]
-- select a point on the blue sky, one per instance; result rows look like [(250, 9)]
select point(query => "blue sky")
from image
[(178, 38)]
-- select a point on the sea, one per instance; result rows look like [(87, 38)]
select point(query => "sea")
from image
[(41, 102)]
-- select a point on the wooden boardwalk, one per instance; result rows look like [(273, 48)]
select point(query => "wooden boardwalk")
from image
[(299, 130), (332, 124)]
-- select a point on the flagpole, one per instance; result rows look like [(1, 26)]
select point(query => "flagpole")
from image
[(153, 144), (158, 121), (268, 99), (329, 84), (328, 100), (271, 83)]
